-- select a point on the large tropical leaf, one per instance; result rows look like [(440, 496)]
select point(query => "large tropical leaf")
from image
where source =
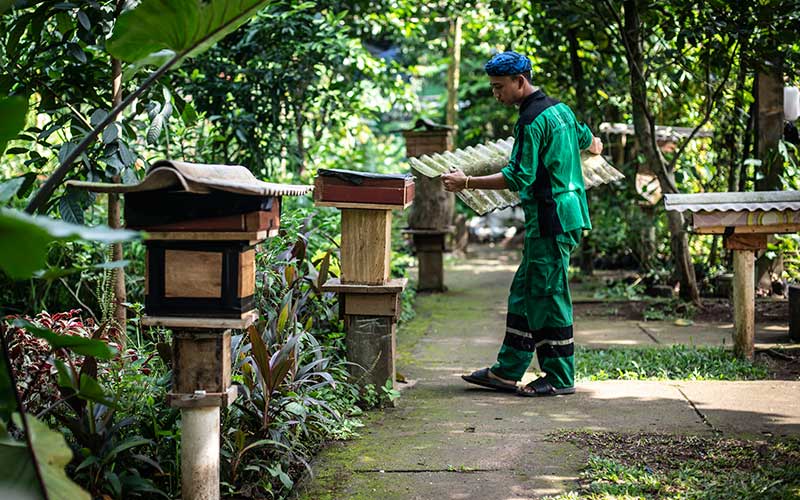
[(12, 111), (158, 30), (24, 239), (17, 473)]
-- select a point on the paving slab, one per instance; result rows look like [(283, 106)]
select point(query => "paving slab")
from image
[(763, 407)]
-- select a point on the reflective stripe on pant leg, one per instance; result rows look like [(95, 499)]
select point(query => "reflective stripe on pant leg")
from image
[(556, 351), (556, 354)]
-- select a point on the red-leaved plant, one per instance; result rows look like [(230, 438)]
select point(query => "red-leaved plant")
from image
[(33, 359)]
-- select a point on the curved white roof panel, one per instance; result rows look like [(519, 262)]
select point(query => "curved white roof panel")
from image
[(733, 202)]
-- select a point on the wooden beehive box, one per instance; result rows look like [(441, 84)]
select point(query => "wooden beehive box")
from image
[(218, 211), (202, 224), (366, 201), (199, 278), (344, 186), (427, 137)]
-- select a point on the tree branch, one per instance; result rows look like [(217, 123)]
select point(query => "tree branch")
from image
[(50, 185), (711, 99)]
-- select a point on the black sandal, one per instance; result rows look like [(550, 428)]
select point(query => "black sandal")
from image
[(481, 377), (542, 387)]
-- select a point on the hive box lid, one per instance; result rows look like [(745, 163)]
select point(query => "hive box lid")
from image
[(198, 178), (347, 186)]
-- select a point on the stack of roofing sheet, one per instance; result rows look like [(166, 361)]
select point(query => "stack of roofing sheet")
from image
[(486, 159)]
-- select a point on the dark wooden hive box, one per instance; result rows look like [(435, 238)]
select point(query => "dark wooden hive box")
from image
[(217, 211), (345, 186)]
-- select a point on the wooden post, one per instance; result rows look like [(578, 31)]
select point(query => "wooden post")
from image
[(744, 302), (794, 313), (744, 247), (430, 245), (370, 315), (370, 346)]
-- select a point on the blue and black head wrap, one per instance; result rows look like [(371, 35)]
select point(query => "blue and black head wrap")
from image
[(507, 63)]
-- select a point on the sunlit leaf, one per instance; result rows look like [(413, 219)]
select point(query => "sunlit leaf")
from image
[(154, 29), (24, 240), (12, 110)]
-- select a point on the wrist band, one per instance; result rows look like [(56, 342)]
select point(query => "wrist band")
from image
[(466, 182)]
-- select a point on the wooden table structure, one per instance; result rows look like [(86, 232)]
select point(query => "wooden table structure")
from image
[(430, 218), (744, 220), (370, 298)]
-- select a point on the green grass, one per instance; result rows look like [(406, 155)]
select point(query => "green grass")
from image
[(668, 363), (652, 466)]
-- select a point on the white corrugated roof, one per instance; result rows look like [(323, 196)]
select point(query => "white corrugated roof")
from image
[(733, 202), (490, 158), (663, 132)]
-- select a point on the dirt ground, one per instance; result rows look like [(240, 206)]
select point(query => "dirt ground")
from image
[(714, 310)]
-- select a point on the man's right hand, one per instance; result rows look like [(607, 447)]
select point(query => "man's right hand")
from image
[(597, 146), (454, 181)]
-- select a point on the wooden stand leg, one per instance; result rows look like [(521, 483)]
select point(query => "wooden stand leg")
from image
[(430, 248), (200, 453), (370, 343), (431, 271), (744, 302)]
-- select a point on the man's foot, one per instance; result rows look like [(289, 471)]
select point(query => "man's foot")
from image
[(485, 378), (541, 387)]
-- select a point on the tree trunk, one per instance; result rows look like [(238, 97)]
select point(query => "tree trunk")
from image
[(769, 126), (114, 221), (644, 126), (453, 73)]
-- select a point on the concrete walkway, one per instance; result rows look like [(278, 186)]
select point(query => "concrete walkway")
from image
[(448, 440)]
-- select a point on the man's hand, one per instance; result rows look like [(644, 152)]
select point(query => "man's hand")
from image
[(597, 146), (454, 181)]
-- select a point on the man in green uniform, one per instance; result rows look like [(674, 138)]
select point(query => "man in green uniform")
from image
[(545, 168)]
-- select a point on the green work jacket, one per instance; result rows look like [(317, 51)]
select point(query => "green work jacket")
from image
[(545, 167)]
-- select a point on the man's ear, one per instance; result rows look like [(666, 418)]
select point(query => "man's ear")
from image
[(520, 81)]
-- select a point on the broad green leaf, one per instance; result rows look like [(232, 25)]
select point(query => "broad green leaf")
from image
[(260, 354), (64, 375), (9, 188), (129, 443), (91, 390), (13, 110), (52, 454), (182, 28), (80, 345), (24, 239), (69, 207)]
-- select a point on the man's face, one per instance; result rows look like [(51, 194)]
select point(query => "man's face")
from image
[(508, 89)]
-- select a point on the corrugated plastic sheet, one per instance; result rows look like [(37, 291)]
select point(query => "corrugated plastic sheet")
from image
[(733, 202), (490, 158)]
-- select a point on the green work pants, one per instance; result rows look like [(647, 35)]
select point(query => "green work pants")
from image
[(539, 315)]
